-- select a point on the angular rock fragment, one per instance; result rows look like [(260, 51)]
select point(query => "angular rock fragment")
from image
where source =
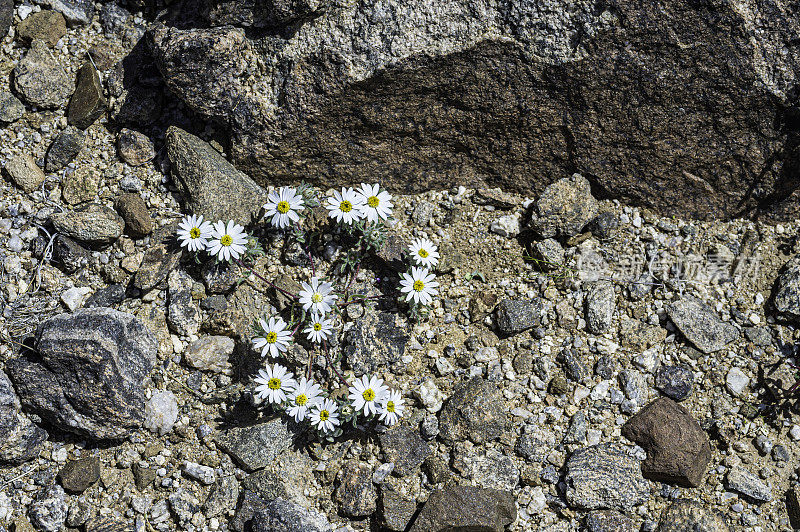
[(678, 450), (700, 325), (88, 374)]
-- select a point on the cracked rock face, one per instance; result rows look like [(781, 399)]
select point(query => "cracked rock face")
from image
[(681, 107), (87, 376)]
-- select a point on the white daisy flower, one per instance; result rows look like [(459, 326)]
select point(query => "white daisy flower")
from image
[(227, 241), (324, 415), (320, 328), (305, 395), (193, 233), (345, 207), (376, 204), (424, 253), (367, 393), (317, 297), (282, 206), (276, 338), (275, 384), (419, 286), (391, 408)]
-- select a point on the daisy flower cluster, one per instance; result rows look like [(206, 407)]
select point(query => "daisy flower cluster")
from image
[(225, 241), (364, 213), (305, 401)]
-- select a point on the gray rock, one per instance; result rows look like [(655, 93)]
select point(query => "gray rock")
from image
[(24, 172), (493, 57), (634, 385), (209, 183), (134, 211), (22, 440), (77, 12), (204, 474), (689, 516), (133, 147), (760, 336), (564, 208), (405, 448), (517, 315), (548, 254), (108, 523), (604, 225), (476, 411), (88, 103), (260, 15), (376, 342), (455, 507), (678, 450), (398, 502), (93, 223), (609, 521), (749, 485), (490, 469), (787, 290), (79, 475), (161, 257), (600, 306), (281, 515), (88, 374), (210, 353), (6, 16), (257, 446), (289, 477), (676, 382), (534, 445), (356, 493), (40, 80), (49, 510), (184, 505), (576, 433), (69, 254), (605, 476), (183, 314), (64, 148), (700, 325), (11, 109), (223, 496)]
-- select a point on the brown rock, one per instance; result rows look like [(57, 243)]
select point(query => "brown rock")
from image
[(79, 475), (457, 507), (88, 102), (48, 26), (678, 450), (24, 172), (134, 211), (134, 148), (161, 257)]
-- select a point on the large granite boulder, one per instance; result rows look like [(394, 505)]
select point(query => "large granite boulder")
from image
[(679, 106), (88, 371)]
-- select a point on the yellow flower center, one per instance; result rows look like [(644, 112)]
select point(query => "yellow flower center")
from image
[(226, 240), (316, 298), (390, 406), (324, 415), (317, 326), (418, 286), (423, 253), (194, 233), (368, 394), (283, 207), (272, 337), (373, 201), (345, 206), (274, 384), (301, 400)]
